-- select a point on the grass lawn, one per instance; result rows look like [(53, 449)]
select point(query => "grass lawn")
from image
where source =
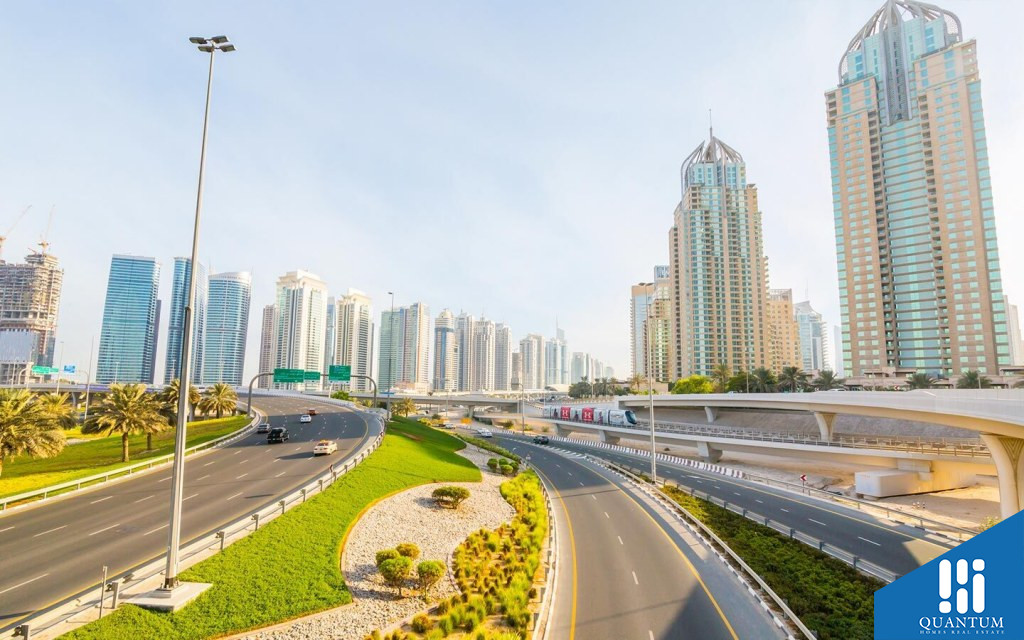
[(21, 474), (290, 567)]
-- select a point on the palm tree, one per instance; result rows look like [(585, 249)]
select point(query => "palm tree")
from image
[(763, 381), (636, 382), (219, 398), (920, 381), (720, 375), (127, 409), (25, 428), (972, 379), (404, 407), (169, 395), (827, 380), (56, 406), (793, 379)]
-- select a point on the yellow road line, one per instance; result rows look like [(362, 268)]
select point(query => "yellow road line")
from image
[(572, 544)]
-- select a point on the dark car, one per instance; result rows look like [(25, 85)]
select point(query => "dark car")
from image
[(277, 434), (263, 427), (541, 440)]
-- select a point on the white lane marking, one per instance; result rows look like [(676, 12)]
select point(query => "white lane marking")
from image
[(163, 526), (203, 478), (105, 529), (581, 484), (635, 581), (736, 494), (209, 463), (241, 476), (650, 634), (190, 497), (237, 452), (165, 479), (280, 474), (607, 516), (236, 495), (274, 460), (592, 495), (620, 540), (700, 481), (818, 522), (23, 583), (142, 499), (63, 526), (244, 461), (758, 501), (101, 499), (871, 541), (717, 487), (297, 448), (781, 509), (7, 529)]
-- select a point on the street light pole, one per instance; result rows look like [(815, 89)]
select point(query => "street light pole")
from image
[(650, 381), (211, 46), (391, 355), (60, 365)]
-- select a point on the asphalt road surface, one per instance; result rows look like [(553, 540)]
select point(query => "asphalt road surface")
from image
[(52, 552), (626, 574)]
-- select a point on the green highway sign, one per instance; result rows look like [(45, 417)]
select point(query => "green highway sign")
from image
[(312, 376), (339, 373), (289, 375), (44, 371)]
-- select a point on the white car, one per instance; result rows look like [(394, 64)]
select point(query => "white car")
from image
[(324, 448), (484, 433), (305, 418)]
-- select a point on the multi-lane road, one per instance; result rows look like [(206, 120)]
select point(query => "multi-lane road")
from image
[(54, 551), (624, 572)]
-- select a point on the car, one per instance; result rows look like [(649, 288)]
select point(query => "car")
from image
[(484, 433), (305, 418), (277, 434), (263, 427), (541, 440), (311, 412), (324, 448)]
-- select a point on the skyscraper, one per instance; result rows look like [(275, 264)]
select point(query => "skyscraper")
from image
[(815, 354), (464, 324), (580, 367), (268, 345), (301, 320), (29, 301), (179, 295), (919, 280), (131, 313), (1013, 329), (446, 365), (783, 332), (556, 359), (483, 355), (502, 357), (719, 281), (531, 349), (330, 333), (227, 327), (405, 348), (650, 310), (354, 336)]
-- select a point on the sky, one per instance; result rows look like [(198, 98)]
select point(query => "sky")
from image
[(514, 160)]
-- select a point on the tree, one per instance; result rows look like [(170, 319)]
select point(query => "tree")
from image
[(720, 375), (218, 399), (57, 407), (386, 554), (972, 379), (341, 395), (169, 396), (450, 496), (793, 379), (694, 384), (581, 389), (827, 380), (920, 381), (429, 572), (636, 381), (127, 409), (395, 572), (404, 407), (409, 550), (763, 380), (26, 428), (741, 382)]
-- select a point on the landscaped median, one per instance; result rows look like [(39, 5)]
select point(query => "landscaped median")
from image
[(290, 567)]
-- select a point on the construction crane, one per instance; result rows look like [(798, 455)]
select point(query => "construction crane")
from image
[(9, 230), (44, 241)]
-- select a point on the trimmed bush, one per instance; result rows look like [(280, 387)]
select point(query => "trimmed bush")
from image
[(386, 554), (492, 464), (396, 571), (422, 623), (428, 573), (409, 550), (450, 497)]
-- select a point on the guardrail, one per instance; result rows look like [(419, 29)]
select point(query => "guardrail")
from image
[(542, 618), (190, 553), (100, 478)]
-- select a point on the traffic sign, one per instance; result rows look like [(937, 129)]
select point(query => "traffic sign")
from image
[(339, 373), (289, 375), (69, 368), (311, 376), (44, 371)]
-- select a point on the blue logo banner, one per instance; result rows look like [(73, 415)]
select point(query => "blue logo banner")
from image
[(975, 590)]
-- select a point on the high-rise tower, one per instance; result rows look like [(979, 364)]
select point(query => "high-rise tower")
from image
[(446, 353), (919, 280), (179, 293), (301, 320), (29, 301), (353, 336), (227, 326), (131, 314)]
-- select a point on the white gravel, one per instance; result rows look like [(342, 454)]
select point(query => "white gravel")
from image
[(407, 517)]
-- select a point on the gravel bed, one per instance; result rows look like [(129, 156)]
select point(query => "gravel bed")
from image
[(409, 516)]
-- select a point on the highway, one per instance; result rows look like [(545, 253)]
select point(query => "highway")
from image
[(896, 547), (626, 574), (52, 552)]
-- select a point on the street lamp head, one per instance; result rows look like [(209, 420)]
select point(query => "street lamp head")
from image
[(227, 47), (197, 40), (206, 48), (219, 39)]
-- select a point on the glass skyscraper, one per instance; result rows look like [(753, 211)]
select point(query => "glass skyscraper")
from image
[(919, 280), (179, 293), (131, 314), (227, 325)]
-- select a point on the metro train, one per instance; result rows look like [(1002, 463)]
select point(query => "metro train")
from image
[(592, 415)]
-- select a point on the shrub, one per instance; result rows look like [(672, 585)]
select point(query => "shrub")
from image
[(428, 573), (422, 623), (386, 554), (492, 464), (395, 572), (409, 550), (450, 497), (445, 625)]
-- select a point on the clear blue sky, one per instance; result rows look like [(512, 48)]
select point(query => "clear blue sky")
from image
[(519, 160)]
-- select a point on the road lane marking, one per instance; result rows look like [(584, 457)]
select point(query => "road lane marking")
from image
[(237, 452), (736, 493), (781, 509), (572, 546), (63, 526), (635, 581), (280, 474), (581, 484), (190, 497), (165, 479), (163, 526), (650, 634), (818, 522), (241, 476), (620, 540), (592, 495), (758, 501), (209, 463), (101, 499), (23, 583), (236, 495), (871, 541), (142, 499), (105, 529), (203, 478), (244, 461), (7, 529), (607, 516)]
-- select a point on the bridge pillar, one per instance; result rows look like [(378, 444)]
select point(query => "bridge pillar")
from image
[(709, 452), (712, 413), (825, 421), (1006, 453), (561, 431), (610, 439)]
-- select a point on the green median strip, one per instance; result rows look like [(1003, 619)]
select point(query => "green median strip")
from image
[(290, 567), (100, 455)]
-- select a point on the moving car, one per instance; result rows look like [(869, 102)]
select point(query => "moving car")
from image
[(277, 434), (263, 427), (325, 448), (484, 433), (541, 440), (305, 418), (311, 412)]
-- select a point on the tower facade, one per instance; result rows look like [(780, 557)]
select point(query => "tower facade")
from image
[(301, 323), (227, 326), (179, 296), (131, 313), (353, 336)]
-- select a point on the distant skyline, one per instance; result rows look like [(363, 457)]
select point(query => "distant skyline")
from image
[(519, 163)]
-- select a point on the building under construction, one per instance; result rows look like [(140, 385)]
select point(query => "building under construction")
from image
[(29, 300)]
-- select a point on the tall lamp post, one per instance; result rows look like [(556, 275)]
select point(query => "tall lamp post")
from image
[(391, 355), (650, 381), (210, 46)]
